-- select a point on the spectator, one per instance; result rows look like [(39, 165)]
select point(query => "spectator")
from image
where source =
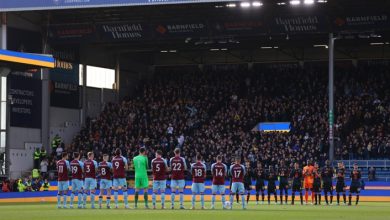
[(37, 155), (43, 168), (6, 186)]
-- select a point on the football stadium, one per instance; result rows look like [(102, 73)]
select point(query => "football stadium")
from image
[(195, 109)]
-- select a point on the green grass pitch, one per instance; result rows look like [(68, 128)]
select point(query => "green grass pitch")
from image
[(43, 211)]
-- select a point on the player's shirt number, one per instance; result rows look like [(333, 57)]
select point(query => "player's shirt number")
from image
[(176, 166)]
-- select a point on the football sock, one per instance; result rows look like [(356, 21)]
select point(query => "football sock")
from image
[(338, 198), (116, 197), (58, 200), (100, 200), (326, 198), (84, 198), (65, 200), (213, 199), (248, 196), (300, 194), (71, 199), (262, 196), (257, 196), (181, 199), (92, 199), (357, 198), (345, 198), (136, 198), (173, 199), (202, 200), (80, 199), (154, 199), (223, 198), (319, 198), (349, 199), (286, 198), (163, 198), (146, 198), (276, 198), (237, 197), (306, 196), (243, 200), (108, 200), (125, 199), (292, 198), (193, 200)]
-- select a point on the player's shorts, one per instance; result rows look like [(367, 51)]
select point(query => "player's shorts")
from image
[(271, 188), (247, 187), (77, 185), (218, 189), (120, 182), (159, 185), (327, 186), (354, 188), (197, 188), (105, 184), (63, 185), (340, 187), (296, 187), (178, 184), (141, 182), (90, 184), (260, 187), (238, 187), (308, 185), (317, 188), (283, 185)]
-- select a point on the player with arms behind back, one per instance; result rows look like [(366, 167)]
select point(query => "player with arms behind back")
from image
[(105, 169), (77, 168), (178, 169), (119, 167), (260, 182), (237, 171), (283, 181), (63, 169), (141, 166), (219, 172), (159, 169), (198, 171), (317, 184), (90, 169)]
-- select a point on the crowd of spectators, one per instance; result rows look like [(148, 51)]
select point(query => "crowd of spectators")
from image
[(214, 111)]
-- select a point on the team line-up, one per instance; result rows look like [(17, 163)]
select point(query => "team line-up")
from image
[(113, 177)]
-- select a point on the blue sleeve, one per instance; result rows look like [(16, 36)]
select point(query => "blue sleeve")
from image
[(185, 164), (204, 165), (124, 160), (67, 164), (212, 167), (230, 169), (192, 166), (165, 162), (243, 168), (109, 165), (226, 169), (95, 163), (81, 164)]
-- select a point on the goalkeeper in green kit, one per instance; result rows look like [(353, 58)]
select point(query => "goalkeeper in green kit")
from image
[(141, 167)]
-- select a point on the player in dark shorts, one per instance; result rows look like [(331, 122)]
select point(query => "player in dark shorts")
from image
[(260, 182), (355, 183), (283, 182), (317, 184), (248, 180), (327, 175), (271, 188), (340, 183), (297, 177)]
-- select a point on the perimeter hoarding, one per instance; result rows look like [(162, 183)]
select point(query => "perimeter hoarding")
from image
[(30, 5)]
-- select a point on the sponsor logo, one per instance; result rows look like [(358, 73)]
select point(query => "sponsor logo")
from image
[(298, 24), (360, 20), (180, 28), (123, 31)]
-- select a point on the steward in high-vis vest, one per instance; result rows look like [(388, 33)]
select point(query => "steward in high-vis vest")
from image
[(37, 157)]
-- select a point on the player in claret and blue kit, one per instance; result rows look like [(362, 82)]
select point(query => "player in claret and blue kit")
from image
[(198, 171), (77, 168), (63, 169), (219, 172), (178, 169), (159, 169), (90, 184), (237, 172), (105, 169), (119, 167)]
